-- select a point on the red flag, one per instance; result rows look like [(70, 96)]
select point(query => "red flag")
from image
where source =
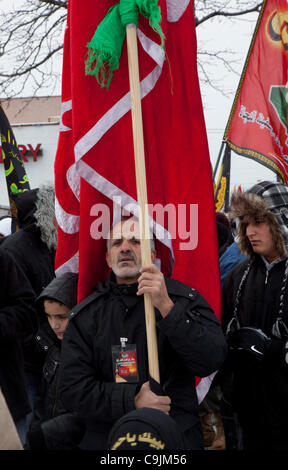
[(94, 165), (257, 127)]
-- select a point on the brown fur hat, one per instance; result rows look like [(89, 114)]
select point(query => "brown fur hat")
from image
[(247, 205)]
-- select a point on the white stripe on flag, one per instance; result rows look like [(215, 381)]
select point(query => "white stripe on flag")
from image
[(203, 386), (71, 266), (175, 9), (69, 223), (65, 106)]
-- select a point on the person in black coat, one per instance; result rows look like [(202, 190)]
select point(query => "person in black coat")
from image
[(33, 245), (255, 300), (104, 353), (18, 323), (52, 427), (33, 248)]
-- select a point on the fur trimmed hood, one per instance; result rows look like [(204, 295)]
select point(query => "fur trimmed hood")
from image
[(37, 207), (265, 201), (45, 215)]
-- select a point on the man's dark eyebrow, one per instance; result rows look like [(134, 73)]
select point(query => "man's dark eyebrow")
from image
[(119, 239), (115, 239)]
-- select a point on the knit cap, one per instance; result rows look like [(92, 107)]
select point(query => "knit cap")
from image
[(145, 429)]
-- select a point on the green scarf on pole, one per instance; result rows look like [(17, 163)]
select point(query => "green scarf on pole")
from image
[(104, 49)]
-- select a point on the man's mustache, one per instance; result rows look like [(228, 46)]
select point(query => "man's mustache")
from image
[(126, 256)]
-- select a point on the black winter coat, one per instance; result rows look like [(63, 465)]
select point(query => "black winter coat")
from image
[(26, 246), (18, 323), (32, 255), (259, 390), (47, 403), (37, 263), (190, 343)]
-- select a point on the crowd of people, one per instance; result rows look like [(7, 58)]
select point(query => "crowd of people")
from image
[(76, 376)]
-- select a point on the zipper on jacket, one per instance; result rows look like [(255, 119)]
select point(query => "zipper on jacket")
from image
[(266, 278), (56, 396)]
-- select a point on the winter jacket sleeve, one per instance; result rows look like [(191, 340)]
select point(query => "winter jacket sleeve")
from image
[(195, 333), (18, 319), (64, 432), (80, 390), (39, 409)]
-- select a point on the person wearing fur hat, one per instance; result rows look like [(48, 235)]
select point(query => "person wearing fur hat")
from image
[(255, 318)]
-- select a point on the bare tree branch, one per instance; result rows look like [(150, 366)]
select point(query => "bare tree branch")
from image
[(63, 4), (228, 14), (32, 33)]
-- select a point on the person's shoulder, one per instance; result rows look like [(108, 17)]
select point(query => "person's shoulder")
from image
[(87, 304), (232, 252), (15, 242), (6, 256), (236, 272), (241, 266), (178, 288)]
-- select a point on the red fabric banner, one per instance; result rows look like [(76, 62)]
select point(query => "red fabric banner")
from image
[(257, 127), (94, 168)]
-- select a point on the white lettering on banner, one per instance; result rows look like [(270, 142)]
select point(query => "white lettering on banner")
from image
[(250, 118)]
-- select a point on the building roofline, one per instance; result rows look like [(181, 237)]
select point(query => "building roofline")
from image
[(27, 97), (26, 124)]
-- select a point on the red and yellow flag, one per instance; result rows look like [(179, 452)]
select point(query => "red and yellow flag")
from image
[(258, 127)]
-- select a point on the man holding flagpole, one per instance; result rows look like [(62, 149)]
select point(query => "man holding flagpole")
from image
[(98, 146), (104, 354)]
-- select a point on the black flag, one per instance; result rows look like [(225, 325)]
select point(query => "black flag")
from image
[(222, 189), (15, 173)]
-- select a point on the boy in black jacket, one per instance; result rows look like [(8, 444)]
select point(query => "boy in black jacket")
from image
[(52, 427)]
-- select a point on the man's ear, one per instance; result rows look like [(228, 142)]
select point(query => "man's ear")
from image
[(153, 255), (108, 261)]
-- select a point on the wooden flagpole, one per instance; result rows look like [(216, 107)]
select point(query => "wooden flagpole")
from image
[(139, 155)]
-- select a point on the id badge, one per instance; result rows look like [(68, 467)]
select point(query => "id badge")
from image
[(124, 360)]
